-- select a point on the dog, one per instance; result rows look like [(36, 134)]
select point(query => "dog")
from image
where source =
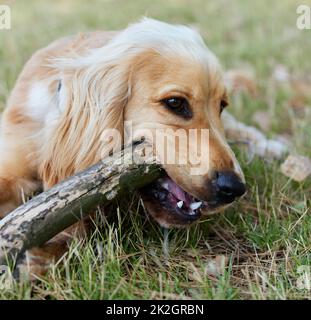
[(153, 74)]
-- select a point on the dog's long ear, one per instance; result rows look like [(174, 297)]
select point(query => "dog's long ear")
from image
[(92, 99)]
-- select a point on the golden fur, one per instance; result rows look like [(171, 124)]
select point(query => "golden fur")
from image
[(99, 91)]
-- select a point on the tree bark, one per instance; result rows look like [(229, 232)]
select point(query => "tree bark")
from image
[(47, 214)]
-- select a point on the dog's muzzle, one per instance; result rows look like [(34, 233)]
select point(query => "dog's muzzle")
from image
[(170, 205), (228, 186)]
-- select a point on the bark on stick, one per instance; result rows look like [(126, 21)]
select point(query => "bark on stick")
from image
[(52, 211)]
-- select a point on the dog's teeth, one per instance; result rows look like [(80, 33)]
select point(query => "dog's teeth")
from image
[(195, 205), (165, 185), (180, 204)]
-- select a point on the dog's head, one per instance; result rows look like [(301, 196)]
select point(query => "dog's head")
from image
[(162, 78), (177, 91)]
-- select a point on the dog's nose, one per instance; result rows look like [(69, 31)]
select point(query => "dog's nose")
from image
[(229, 186)]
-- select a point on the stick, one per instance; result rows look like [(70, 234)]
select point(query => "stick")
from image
[(47, 214)]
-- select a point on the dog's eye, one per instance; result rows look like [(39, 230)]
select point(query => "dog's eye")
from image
[(223, 105), (179, 106)]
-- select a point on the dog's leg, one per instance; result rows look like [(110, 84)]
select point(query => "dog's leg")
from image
[(13, 191), (17, 181), (260, 144), (36, 262)]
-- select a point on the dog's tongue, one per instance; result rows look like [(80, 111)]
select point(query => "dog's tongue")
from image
[(173, 188), (178, 197)]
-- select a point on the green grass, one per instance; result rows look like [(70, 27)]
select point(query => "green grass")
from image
[(265, 236)]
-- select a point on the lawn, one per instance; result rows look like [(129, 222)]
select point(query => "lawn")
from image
[(257, 249)]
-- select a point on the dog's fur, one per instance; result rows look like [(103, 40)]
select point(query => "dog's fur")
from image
[(72, 90)]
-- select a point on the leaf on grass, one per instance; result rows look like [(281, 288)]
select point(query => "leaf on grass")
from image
[(297, 168), (217, 266)]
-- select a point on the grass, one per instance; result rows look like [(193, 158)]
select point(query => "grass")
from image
[(264, 238)]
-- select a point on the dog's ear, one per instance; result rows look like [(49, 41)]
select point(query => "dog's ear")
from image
[(93, 101)]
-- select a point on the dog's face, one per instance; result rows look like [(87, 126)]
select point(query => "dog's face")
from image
[(177, 94), (165, 81)]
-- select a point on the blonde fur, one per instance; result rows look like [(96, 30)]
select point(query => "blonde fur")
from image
[(98, 86), (95, 102), (77, 87)]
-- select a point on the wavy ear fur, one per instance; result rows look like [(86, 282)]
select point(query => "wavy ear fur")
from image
[(95, 97)]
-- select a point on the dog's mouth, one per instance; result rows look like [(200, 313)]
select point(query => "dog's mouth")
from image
[(169, 204)]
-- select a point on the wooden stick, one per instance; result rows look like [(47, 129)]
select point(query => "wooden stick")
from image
[(47, 214)]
